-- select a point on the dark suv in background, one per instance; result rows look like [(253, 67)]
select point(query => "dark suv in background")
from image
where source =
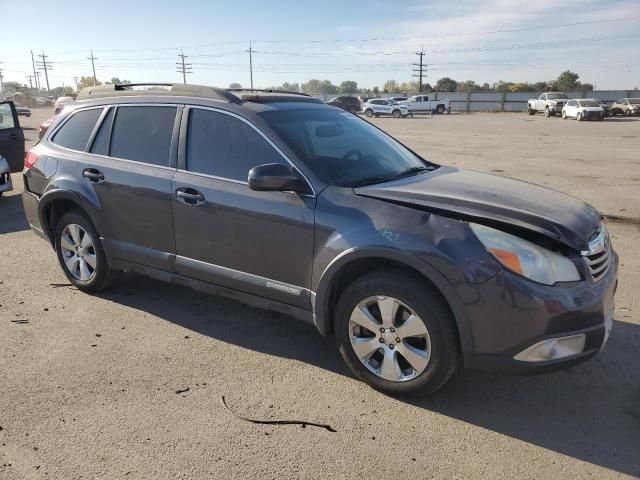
[(350, 104), (286, 203)]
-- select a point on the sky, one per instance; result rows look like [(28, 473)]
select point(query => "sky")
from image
[(367, 41)]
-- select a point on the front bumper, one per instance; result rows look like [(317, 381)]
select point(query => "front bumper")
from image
[(511, 314)]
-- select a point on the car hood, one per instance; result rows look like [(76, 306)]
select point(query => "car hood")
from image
[(494, 200)]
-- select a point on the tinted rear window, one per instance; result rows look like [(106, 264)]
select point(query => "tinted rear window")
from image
[(143, 134), (76, 131)]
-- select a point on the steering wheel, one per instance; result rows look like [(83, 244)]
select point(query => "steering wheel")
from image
[(350, 153)]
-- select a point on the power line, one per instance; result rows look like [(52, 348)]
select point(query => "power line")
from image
[(183, 68)]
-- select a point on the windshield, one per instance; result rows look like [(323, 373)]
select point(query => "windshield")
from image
[(556, 96), (589, 103), (634, 101), (343, 149)]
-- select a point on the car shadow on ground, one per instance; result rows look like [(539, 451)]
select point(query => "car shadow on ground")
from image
[(12, 218), (590, 412)]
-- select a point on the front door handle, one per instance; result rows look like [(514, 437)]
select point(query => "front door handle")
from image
[(190, 196), (13, 136), (94, 176)]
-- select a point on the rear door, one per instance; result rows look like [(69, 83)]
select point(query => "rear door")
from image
[(228, 234), (128, 163), (11, 137)]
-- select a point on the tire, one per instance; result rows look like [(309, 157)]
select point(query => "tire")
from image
[(579, 116), (100, 275), (547, 113), (440, 109), (439, 348), (530, 111), (564, 115), (353, 110), (396, 114), (369, 113)]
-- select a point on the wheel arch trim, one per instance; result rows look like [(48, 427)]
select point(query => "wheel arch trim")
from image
[(321, 298), (86, 204)]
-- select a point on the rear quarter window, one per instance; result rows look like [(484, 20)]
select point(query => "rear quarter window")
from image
[(75, 132)]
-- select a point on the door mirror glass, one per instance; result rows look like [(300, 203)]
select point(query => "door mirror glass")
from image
[(274, 177)]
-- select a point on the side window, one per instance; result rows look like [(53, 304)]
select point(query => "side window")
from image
[(418, 99), (224, 146), (101, 142), (542, 97), (143, 134), (75, 132), (6, 117)]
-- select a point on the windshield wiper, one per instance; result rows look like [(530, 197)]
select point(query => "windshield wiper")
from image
[(361, 182)]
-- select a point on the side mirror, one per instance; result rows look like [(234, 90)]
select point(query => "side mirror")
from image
[(274, 177)]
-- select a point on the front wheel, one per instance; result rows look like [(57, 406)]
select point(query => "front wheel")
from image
[(547, 113), (579, 116), (530, 111), (368, 112), (396, 114), (564, 115), (396, 334), (81, 255)]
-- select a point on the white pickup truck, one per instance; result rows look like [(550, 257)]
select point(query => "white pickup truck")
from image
[(422, 103), (550, 103)]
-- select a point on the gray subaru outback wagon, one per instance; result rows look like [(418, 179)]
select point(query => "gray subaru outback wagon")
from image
[(288, 204)]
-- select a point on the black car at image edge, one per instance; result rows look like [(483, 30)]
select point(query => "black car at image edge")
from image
[(288, 204)]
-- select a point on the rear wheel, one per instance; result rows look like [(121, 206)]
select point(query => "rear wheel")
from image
[(396, 334), (396, 114), (440, 109), (564, 115), (369, 112), (81, 255)]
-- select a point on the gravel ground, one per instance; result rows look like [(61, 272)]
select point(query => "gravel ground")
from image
[(129, 383)]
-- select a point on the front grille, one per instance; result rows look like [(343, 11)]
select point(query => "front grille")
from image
[(560, 105), (598, 258)]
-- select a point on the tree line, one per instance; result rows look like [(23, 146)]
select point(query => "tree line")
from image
[(566, 81)]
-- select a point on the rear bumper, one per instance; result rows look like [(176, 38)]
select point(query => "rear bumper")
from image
[(511, 314), (30, 204)]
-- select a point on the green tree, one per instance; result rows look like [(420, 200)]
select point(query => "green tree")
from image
[(376, 90), (568, 80), (87, 82), (391, 86), (117, 81), (235, 85), (319, 86), (446, 84), (349, 86)]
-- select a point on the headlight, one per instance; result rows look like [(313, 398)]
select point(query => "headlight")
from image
[(526, 258)]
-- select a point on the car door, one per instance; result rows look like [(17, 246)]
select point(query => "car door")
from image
[(386, 107), (11, 136), (129, 164), (541, 102), (227, 234)]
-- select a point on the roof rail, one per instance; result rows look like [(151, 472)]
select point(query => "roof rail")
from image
[(174, 89), (267, 90)]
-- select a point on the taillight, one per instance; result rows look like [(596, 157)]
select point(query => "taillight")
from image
[(30, 159)]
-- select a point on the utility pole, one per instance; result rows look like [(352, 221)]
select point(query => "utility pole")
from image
[(93, 66), (33, 62), (421, 70), (250, 63), (43, 64), (30, 83), (183, 68), (38, 81)]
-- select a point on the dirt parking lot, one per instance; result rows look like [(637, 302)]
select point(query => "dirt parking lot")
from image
[(127, 384)]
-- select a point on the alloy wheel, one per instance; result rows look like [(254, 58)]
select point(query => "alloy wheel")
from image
[(389, 338), (78, 252)]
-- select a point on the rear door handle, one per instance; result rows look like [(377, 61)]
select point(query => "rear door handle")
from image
[(94, 176), (13, 136), (190, 196)]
